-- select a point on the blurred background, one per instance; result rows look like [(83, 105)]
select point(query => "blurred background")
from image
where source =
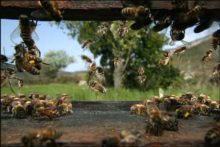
[(61, 47)]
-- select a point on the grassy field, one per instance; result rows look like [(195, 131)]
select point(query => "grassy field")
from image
[(84, 93)]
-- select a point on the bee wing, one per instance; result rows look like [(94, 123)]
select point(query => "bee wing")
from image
[(40, 14), (15, 33)]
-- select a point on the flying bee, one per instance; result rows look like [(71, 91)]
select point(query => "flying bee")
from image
[(20, 83), (216, 70), (216, 39), (86, 58), (122, 29), (164, 60), (43, 137), (97, 87), (141, 70), (212, 137), (117, 62), (103, 28), (141, 79), (92, 69), (49, 9), (26, 29), (140, 14), (180, 50), (208, 55), (86, 42)]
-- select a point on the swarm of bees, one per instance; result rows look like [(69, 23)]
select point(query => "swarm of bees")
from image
[(37, 106), (43, 137), (185, 107), (96, 76)]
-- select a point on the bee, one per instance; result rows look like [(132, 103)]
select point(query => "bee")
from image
[(201, 109), (64, 108), (117, 62), (97, 87), (171, 102), (3, 58), (207, 56), (50, 9), (18, 110), (140, 14), (100, 74), (86, 58), (122, 29), (216, 39), (164, 60), (212, 137), (203, 99), (48, 112), (86, 42), (141, 70), (176, 35), (27, 32), (216, 70), (180, 50), (141, 79), (138, 109), (184, 111), (103, 28), (128, 138), (92, 69), (43, 137), (214, 105), (159, 121)]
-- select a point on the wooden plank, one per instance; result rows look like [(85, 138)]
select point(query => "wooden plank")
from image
[(103, 10)]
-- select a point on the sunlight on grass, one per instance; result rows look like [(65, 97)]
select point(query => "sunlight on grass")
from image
[(84, 93)]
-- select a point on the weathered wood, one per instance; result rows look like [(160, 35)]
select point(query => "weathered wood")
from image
[(89, 9)]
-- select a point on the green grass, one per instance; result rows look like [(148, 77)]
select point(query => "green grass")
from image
[(84, 93)]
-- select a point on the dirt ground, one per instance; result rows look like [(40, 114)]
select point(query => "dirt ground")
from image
[(93, 121)]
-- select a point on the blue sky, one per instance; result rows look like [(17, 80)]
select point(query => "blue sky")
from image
[(53, 38)]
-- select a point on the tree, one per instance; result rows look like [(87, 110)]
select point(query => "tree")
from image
[(135, 49), (57, 60)]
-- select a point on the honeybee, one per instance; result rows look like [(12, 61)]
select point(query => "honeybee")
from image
[(117, 62), (216, 70), (207, 56), (122, 29), (48, 112), (203, 99), (86, 58), (214, 105), (141, 70), (92, 69), (212, 137), (216, 39), (164, 60), (184, 111), (100, 74), (103, 28), (171, 102), (86, 42), (180, 50), (141, 79), (50, 9), (129, 139), (138, 109), (176, 35), (159, 121), (97, 87), (140, 14), (27, 32), (201, 109), (43, 137), (18, 111)]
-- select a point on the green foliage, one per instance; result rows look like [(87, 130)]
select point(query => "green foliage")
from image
[(57, 60), (85, 93), (142, 47)]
